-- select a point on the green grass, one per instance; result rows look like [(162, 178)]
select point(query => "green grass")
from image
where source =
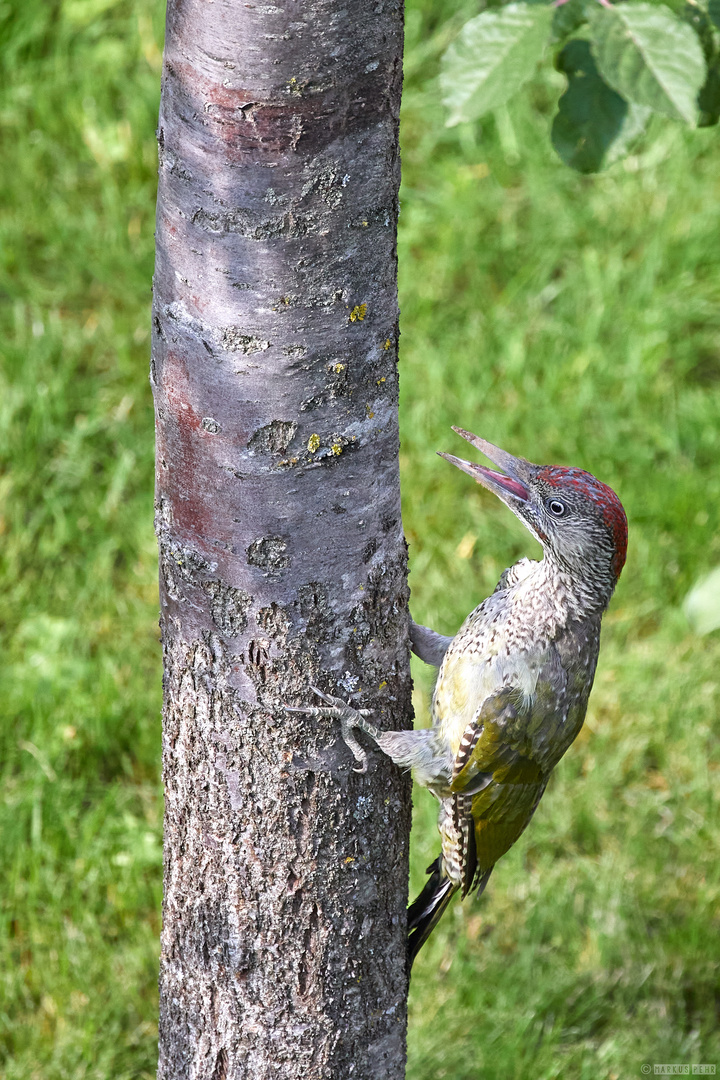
[(569, 320), (80, 804)]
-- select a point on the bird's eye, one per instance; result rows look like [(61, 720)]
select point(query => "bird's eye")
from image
[(556, 507)]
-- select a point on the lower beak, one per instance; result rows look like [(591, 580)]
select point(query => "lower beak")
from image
[(506, 485)]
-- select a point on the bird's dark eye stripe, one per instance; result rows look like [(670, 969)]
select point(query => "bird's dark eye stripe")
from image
[(556, 507)]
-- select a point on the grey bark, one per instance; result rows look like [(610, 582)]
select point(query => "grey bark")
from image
[(282, 558)]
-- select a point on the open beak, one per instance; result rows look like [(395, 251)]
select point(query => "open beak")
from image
[(506, 485)]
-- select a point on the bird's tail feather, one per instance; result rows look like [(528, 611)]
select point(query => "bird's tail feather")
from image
[(426, 911)]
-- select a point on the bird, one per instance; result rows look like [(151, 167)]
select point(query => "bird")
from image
[(513, 683)]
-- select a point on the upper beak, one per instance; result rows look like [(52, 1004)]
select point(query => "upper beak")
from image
[(502, 484)]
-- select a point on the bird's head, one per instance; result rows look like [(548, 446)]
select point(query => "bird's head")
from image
[(579, 521)]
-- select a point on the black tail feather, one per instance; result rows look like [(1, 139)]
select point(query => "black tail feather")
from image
[(428, 908), (426, 911)]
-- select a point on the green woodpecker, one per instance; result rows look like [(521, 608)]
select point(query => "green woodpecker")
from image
[(513, 684)]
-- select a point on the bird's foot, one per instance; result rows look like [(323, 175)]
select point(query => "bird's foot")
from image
[(349, 718)]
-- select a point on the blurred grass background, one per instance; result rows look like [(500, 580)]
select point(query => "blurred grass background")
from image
[(568, 319)]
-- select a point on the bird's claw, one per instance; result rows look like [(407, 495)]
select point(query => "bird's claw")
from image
[(340, 710), (346, 715), (355, 748)]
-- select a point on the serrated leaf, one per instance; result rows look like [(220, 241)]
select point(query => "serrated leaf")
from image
[(702, 604), (494, 54), (594, 126), (650, 56)]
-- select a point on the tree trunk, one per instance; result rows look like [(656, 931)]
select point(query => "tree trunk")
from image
[(282, 558)]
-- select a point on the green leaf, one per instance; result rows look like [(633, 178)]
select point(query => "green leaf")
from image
[(699, 19), (709, 97), (594, 126), (650, 56), (569, 17), (494, 54), (714, 12)]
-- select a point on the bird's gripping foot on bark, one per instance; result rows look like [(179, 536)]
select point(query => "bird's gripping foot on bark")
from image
[(350, 720)]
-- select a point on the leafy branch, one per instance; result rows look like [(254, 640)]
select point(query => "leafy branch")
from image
[(623, 62)]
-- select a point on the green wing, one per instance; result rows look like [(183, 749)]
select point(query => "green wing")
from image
[(498, 783)]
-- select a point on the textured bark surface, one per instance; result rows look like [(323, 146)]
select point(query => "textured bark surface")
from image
[(282, 559)]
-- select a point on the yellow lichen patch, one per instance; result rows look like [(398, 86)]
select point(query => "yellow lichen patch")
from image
[(336, 449), (369, 412), (313, 443), (358, 313), (381, 380), (337, 368), (382, 685), (387, 344)]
